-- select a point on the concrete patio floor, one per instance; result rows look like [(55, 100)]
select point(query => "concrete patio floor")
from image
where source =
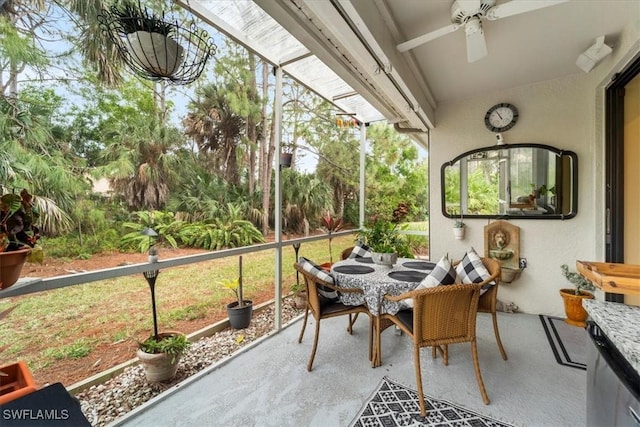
[(268, 384)]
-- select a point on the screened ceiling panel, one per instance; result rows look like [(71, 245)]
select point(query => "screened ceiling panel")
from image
[(249, 25)]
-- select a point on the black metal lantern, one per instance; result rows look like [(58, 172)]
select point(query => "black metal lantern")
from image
[(156, 47)]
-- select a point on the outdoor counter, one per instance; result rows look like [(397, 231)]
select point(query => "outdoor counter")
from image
[(621, 324)]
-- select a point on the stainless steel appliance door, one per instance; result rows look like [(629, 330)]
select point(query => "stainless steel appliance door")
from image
[(613, 386)]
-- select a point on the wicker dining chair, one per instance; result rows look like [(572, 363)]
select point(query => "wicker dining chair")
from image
[(489, 300), (322, 309), (346, 252), (441, 315)]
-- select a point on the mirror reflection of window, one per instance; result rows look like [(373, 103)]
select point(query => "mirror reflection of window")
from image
[(524, 180)]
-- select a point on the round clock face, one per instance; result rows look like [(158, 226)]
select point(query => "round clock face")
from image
[(501, 117)]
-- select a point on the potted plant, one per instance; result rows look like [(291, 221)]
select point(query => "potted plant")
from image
[(148, 38), (576, 314), (18, 234), (299, 295), (240, 310), (458, 228), (385, 242), (160, 353)]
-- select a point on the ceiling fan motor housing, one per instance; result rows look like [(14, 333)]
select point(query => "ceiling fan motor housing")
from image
[(461, 12)]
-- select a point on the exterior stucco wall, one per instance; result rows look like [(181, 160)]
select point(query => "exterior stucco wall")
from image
[(566, 113)]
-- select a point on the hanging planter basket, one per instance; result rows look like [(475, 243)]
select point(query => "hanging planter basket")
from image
[(158, 54), (156, 47)]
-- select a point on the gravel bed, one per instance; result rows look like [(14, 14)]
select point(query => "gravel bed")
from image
[(104, 403)]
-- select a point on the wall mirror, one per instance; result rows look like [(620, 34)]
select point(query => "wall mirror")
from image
[(518, 180)]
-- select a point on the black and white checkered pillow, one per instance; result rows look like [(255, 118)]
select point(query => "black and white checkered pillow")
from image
[(442, 274), (313, 268), (472, 270), (360, 250)]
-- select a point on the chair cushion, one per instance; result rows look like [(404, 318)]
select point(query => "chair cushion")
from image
[(472, 270), (442, 274), (327, 294), (360, 250), (406, 317), (334, 307)]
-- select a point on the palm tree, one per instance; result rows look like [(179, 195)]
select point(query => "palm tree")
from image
[(139, 153), (304, 197), (217, 129)]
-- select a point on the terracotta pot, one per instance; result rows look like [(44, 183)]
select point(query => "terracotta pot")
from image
[(18, 382), (11, 266), (160, 366), (576, 314)]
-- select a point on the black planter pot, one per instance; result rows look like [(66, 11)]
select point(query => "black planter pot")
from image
[(240, 317)]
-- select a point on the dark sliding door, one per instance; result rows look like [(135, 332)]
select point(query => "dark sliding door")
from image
[(622, 152)]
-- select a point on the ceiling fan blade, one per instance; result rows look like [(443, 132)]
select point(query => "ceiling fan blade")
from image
[(515, 7), (410, 44), (476, 43)]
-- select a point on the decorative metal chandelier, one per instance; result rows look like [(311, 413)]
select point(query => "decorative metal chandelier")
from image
[(154, 47)]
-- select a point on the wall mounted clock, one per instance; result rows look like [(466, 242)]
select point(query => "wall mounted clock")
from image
[(501, 117)]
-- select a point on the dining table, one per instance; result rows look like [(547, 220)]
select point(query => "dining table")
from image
[(376, 281)]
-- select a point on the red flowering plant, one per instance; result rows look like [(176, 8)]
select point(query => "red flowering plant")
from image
[(331, 224)]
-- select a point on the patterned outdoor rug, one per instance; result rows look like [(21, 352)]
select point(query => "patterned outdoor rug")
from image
[(393, 404), (568, 343)]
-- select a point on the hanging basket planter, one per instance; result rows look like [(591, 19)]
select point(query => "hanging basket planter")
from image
[(156, 53), (156, 47)]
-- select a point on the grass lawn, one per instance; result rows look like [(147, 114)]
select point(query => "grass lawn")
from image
[(77, 322)]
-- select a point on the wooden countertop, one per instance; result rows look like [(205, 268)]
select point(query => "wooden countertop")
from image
[(612, 277)]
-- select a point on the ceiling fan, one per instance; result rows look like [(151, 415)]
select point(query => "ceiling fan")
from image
[(469, 14)]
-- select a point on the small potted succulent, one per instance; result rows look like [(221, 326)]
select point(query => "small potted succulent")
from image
[(572, 297), (459, 228), (18, 234)]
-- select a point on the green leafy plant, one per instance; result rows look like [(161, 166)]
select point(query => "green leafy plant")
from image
[(163, 223), (578, 280), (173, 345), (233, 285), (383, 237), (215, 234), (131, 18)]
